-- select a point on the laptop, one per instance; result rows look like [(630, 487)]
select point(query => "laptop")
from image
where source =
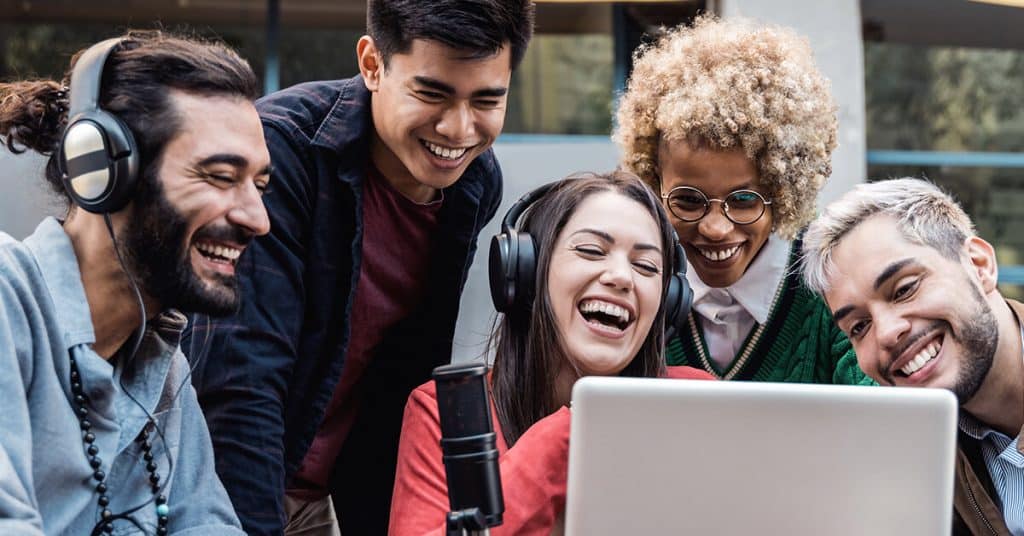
[(667, 456)]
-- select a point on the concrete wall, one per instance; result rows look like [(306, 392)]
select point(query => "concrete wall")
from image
[(833, 29)]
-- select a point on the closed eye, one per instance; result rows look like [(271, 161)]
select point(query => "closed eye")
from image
[(430, 95), (589, 251), (647, 268)]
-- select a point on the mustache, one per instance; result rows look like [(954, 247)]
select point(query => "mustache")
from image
[(224, 233), (911, 340)]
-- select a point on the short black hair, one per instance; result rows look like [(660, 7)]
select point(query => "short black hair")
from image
[(480, 27)]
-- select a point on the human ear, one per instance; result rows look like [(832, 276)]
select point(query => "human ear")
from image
[(981, 257), (371, 66)]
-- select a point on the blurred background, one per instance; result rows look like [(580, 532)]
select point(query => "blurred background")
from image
[(929, 88)]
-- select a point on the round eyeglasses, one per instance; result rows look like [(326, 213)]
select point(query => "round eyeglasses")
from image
[(689, 204)]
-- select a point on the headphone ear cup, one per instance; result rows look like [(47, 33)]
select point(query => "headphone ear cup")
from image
[(499, 271), (99, 161), (526, 270), (679, 297)]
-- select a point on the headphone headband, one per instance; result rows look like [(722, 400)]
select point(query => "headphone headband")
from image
[(87, 76), (525, 202)]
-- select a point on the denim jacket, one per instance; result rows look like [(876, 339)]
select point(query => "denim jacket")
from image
[(266, 374), (46, 483)]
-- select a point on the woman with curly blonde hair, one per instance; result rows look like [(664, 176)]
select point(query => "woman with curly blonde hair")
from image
[(731, 123)]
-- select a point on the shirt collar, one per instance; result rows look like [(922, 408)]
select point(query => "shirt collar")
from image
[(57, 263), (755, 290), (349, 118)]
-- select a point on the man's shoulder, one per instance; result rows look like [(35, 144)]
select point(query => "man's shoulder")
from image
[(304, 107), (17, 264)]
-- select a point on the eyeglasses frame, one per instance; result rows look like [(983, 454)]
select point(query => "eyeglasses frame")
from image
[(765, 203)]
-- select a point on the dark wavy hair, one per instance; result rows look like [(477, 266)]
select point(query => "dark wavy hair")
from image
[(480, 27), (528, 350), (136, 85)]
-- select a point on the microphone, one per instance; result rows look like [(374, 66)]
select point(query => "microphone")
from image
[(468, 447)]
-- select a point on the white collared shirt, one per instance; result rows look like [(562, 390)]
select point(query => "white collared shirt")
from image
[(728, 314)]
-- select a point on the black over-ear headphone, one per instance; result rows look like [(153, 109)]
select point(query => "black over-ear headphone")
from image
[(512, 266), (98, 157)]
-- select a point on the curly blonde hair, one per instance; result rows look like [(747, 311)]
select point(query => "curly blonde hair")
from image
[(722, 84)]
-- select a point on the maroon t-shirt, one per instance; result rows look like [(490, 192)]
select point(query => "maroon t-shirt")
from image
[(397, 239)]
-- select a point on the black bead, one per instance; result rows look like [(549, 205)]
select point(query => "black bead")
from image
[(74, 374), (162, 520), (161, 531), (99, 475), (106, 514), (86, 425), (103, 500), (160, 499), (89, 438), (93, 450), (101, 488), (108, 528), (148, 456), (151, 466), (155, 488), (80, 400), (95, 462), (146, 447), (154, 478), (76, 387), (83, 412)]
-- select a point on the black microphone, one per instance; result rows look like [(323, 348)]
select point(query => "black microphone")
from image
[(468, 447)]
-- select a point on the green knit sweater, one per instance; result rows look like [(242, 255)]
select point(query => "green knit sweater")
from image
[(799, 342)]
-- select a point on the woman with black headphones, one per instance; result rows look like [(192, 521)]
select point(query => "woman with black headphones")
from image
[(604, 262)]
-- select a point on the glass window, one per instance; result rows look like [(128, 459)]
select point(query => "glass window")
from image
[(931, 98)]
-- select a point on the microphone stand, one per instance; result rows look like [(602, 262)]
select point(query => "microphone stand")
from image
[(468, 522)]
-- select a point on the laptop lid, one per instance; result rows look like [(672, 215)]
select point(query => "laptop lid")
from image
[(666, 456)]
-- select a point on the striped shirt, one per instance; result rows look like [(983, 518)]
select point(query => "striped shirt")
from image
[(1005, 463)]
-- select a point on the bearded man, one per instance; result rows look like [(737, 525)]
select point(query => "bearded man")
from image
[(914, 288), (159, 151)]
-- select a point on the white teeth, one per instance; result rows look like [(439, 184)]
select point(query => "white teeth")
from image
[(448, 153), (220, 251), (718, 254), (924, 356), (610, 309)]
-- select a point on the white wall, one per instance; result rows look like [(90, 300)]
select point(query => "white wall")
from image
[(833, 29)]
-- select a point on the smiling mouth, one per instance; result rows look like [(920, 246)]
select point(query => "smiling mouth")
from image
[(923, 357), (718, 255), (443, 152), (219, 253), (605, 314)]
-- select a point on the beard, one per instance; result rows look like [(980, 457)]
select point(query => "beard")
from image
[(978, 337), (158, 252)]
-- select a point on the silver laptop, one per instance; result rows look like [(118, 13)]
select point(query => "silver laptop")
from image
[(666, 456)]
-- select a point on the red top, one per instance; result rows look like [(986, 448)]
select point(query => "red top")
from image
[(533, 472), (392, 277)]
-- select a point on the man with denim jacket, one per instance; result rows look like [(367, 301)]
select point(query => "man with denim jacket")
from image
[(100, 430), (382, 184)]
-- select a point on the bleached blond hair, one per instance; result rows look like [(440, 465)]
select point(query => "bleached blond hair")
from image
[(734, 83), (924, 214)]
